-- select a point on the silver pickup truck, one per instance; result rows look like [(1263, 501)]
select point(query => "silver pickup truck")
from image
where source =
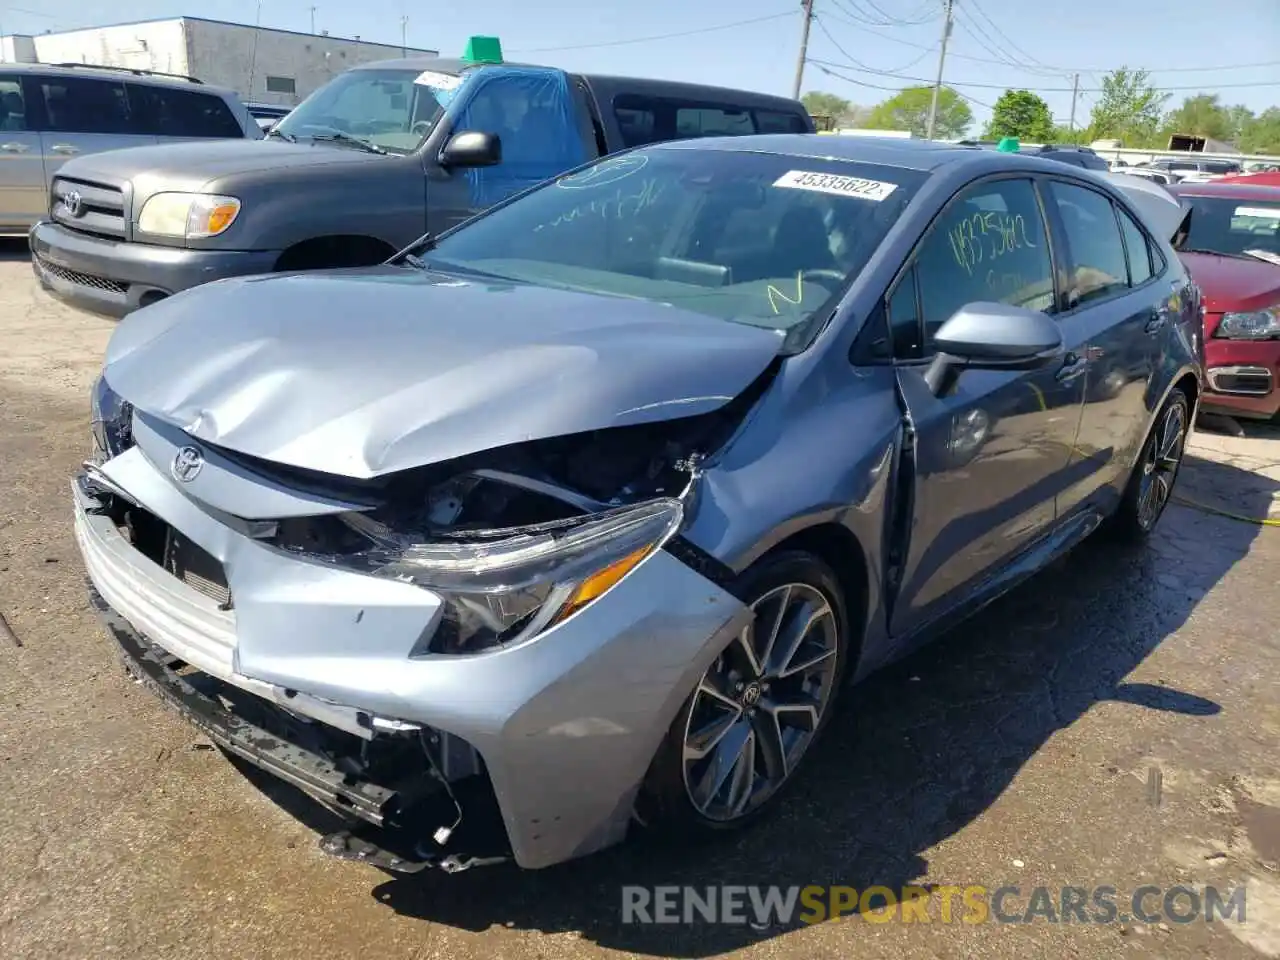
[(380, 156)]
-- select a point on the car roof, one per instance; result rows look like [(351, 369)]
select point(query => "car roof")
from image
[(1228, 191), (118, 73), (922, 155)]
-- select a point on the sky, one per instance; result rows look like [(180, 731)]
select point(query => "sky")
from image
[(1188, 46)]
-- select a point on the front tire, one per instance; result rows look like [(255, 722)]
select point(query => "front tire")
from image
[(1151, 485), (742, 734)]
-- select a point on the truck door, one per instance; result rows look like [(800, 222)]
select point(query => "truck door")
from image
[(534, 113)]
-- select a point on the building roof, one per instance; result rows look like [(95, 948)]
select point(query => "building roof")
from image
[(244, 26)]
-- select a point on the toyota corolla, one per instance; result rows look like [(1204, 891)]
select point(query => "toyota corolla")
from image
[(579, 519)]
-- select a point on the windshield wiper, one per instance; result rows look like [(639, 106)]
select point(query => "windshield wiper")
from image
[(286, 137), (339, 137), (1264, 255)]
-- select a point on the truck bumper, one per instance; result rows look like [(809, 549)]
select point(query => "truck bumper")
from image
[(1243, 378), (115, 277)]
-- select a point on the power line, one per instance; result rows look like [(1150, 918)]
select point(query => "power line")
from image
[(660, 36), (876, 86), (986, 42), (1009, 86), (1064, 71), (845, 53), (1017, 49)]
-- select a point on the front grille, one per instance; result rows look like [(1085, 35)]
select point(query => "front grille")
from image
[(78, 278), (99, 208), (163, 545)]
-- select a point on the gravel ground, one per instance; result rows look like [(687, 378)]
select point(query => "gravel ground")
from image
[(1112, 723)]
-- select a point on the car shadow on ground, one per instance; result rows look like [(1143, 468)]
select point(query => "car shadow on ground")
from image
[(14, 249), (920, 750)]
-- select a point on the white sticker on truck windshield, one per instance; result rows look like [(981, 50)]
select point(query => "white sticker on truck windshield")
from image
[(840, 186), (440, 81)]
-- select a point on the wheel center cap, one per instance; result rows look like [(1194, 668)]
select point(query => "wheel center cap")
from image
[(751, 694)]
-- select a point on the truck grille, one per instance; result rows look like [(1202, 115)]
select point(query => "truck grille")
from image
[(76, 277), (88, 207)]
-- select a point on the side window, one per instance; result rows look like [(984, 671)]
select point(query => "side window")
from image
[(990, 244), (183, 113), (770, 121), (713, 122), (637, 118), (13, 109), (84, 105), (1097, 261), (1139, 251), (904, 319)]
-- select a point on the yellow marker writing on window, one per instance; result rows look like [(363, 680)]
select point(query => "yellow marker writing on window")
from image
[(775, 294)]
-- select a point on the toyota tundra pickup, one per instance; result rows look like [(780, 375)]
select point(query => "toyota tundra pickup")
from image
[(382, 155)]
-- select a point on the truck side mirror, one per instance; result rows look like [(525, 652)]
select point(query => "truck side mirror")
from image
[(471, 148)]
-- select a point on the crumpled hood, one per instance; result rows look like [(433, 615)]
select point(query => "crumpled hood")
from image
[(1233, 283), (367, 372), (191, 165)]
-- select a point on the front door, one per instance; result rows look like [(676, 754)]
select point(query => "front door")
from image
[(23, 197), (534, 113), (84, 115), (992, 456)]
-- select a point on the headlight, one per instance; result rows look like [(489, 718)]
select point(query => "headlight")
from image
[(110, 418), (513, 586), (1255, 325), (188, 215)]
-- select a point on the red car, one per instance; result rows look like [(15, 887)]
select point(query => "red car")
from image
[(1232, 250)]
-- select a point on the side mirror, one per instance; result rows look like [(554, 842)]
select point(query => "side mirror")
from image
[(992, 336), (471, 148)]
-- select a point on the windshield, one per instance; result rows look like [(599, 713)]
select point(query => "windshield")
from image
[(390, 109), (748, 237), (1235, 227)]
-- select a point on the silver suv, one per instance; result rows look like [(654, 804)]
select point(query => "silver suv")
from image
[(51, 113)]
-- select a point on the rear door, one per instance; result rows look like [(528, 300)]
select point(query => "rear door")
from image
[(1115, 305), (173, 113), (22, 184), (991, 456), (85, 115)]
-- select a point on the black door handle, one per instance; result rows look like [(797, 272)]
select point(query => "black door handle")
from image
[(1073, 366)]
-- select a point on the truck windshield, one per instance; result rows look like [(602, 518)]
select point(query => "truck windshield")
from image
[(389, 109), (754, 238)]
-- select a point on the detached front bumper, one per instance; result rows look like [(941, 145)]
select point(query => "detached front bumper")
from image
[(116, 277), (565, 725)]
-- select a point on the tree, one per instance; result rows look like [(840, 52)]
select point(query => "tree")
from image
[(841, 111), (1021, 114), (1065, 134), (1129, 109), (1201, 116), (909, 110), (1262, 134)]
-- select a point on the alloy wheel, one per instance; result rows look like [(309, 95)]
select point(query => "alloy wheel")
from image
[(1160, 466), (757, 708)]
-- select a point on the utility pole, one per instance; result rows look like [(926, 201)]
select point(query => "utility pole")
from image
[(1075, 91), (313, 20), (807, 7), (404, 36), (942, 59)]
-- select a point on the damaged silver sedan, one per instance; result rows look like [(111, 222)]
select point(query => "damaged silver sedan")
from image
[(578, 519)]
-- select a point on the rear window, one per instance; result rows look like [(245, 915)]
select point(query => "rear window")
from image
[(653, 119), (87, 105), (1222, 225), (167, 112)]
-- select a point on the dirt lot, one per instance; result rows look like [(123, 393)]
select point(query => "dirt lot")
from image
[(1113, 723)]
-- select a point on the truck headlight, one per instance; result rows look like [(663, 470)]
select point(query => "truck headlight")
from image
[(1253, 325), (191, 216), (511, 585)]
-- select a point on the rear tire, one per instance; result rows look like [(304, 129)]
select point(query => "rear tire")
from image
[(741, 736), (1150, 487)]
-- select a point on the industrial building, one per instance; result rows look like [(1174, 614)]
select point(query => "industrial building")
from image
[(260, 63)]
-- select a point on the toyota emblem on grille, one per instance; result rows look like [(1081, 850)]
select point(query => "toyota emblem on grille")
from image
[(187, 464), (71, 201)]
